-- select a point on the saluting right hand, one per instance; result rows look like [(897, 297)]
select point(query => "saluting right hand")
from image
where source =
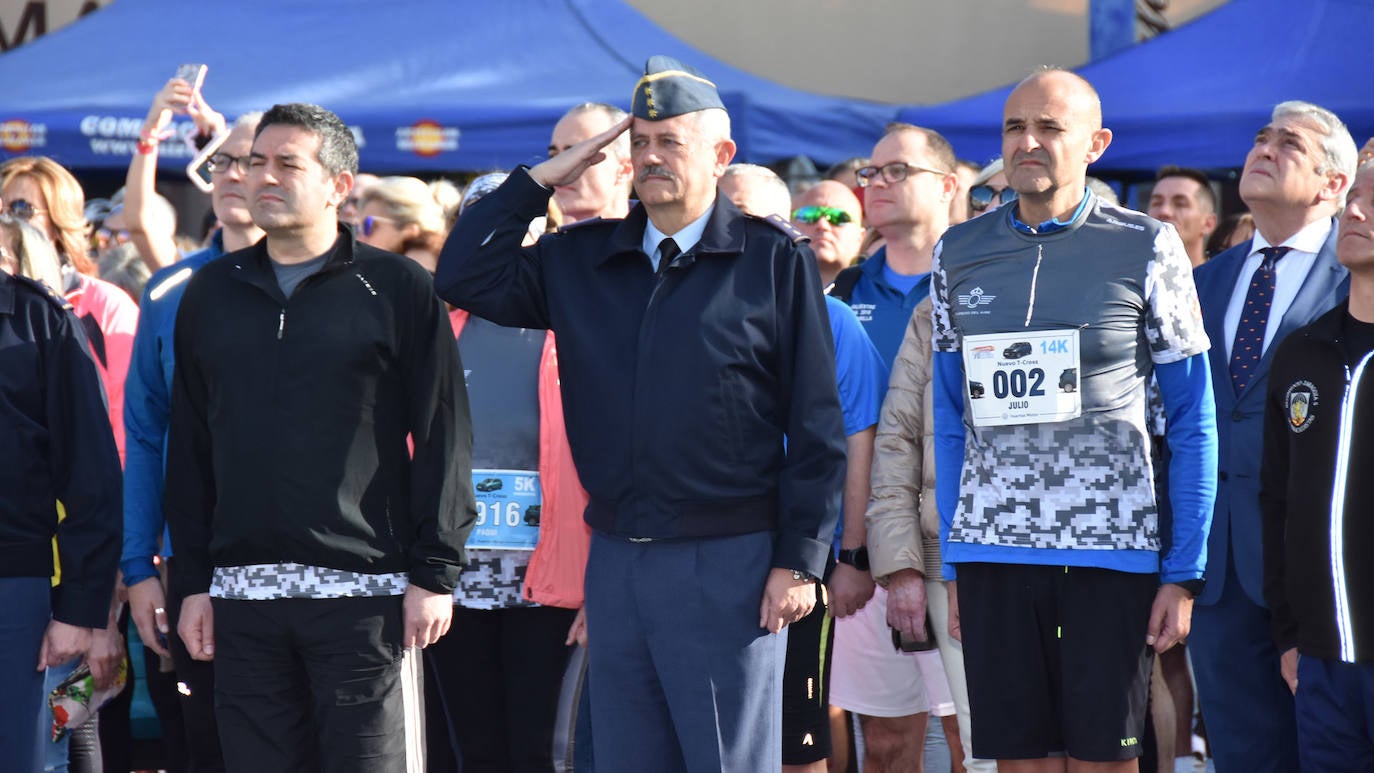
[(566, 167)]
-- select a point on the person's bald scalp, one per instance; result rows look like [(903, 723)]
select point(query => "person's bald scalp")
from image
[(831, 194), (1070, 87)]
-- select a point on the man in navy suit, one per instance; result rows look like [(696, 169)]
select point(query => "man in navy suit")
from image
[(1252, 296)]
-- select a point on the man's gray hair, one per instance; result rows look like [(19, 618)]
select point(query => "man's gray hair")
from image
[(248, 121), (338, 149), (1337, 144), (778, 197), (713, 123), (620, 146)]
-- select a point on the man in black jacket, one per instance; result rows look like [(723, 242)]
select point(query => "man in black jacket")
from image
[(304, 365), (1316, 498), (58, 455), (692, 340)]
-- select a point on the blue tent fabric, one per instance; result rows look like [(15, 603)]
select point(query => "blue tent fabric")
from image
[(1197, 95), (433, 85)]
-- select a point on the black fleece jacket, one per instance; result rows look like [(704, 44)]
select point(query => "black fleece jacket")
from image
[(290, 419), (1317, 495)]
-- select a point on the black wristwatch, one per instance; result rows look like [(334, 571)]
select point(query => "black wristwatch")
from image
[(857, 558), (1194, 587)]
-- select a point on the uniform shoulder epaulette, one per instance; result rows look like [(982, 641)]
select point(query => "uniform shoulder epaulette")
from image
[(788, 230), (51, 295), (591, 221)]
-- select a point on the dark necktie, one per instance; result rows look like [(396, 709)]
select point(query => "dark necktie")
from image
[(667, 250), (1248, 346)]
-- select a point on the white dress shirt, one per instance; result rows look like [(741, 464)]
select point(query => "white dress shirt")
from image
[(686, 239), (1289, 274)]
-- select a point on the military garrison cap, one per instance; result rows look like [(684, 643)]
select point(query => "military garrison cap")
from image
[(670, 88)]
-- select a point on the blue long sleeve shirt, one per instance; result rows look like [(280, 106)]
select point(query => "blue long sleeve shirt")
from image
[(147, 401)]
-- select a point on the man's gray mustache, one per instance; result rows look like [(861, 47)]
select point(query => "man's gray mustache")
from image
[(656, 171)]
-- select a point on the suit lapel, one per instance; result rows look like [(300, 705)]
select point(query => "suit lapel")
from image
[(1217, 300), (1315, 295), (1314, 298)]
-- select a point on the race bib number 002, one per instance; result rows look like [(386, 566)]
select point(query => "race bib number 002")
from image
[(1022, 378), (508, 509)]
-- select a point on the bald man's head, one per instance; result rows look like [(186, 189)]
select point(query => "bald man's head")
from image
[(1071, 86), (1051, 131)]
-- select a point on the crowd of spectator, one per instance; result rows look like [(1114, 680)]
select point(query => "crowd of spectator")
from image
[(458, 476)]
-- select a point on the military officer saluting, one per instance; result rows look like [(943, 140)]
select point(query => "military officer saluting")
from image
[(692, 339)]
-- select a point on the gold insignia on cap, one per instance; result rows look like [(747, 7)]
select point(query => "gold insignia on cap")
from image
[(650, 78)]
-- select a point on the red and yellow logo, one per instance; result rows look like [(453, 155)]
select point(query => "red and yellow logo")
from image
[(427, 138), (18, 135)]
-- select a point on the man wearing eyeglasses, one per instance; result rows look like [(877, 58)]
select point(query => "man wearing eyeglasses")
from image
[(831, 216), (147, 400), (1049, 316), (908, 187)]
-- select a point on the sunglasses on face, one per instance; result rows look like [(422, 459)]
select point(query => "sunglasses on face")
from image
[(369, 224), (980, 197), (23, 209), (813, 214), (892, 173)]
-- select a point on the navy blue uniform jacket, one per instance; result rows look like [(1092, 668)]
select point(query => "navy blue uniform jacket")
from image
[(678, 389)]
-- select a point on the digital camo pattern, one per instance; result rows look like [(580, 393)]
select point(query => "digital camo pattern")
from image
[(1078, 484), (1126, 285), (268, 582), (493, 579), (1173, 322), (944, 338), (1155, 422)]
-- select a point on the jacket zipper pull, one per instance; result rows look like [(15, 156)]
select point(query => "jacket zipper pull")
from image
[(281, 324)]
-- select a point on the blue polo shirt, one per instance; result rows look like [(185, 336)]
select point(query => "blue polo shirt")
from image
[(861, 373), (883, 307)]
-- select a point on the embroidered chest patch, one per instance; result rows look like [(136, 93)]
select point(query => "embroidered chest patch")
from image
[(1301, 400)]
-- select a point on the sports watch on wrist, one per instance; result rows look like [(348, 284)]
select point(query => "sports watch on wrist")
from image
[(855, 557)]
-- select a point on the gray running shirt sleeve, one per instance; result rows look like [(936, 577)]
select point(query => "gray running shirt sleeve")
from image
[(943, 338), (1173, 319)]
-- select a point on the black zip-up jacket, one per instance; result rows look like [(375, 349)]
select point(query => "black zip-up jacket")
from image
[(290, 417), (1317, 495), (678, 388), (57, 451)]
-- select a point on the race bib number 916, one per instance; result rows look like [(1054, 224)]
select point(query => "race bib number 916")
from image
[(1022, 378), (508, 510)]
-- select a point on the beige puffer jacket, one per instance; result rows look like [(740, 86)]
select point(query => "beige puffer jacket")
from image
[(903, 525)]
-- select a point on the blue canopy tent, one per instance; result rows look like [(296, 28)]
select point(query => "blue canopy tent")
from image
[(1195, 96), (428, 85)]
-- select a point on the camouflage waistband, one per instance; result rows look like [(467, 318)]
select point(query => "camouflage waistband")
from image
[(267, 582)]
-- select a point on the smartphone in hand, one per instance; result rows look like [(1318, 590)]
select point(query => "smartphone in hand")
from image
[(903, 643), (193, 74)]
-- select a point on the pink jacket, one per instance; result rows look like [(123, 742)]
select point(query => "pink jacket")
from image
[(559, 561), (110, 318)]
